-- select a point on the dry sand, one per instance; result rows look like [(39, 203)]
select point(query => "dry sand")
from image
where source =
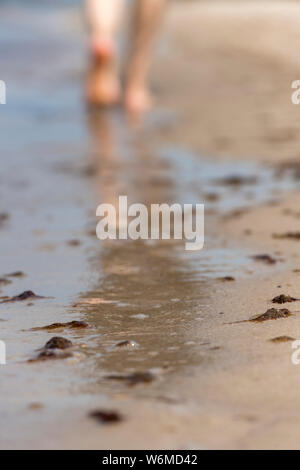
[(239, 61)]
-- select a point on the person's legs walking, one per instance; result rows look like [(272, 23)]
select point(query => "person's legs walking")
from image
[(103, 83), (103, 18), (146, 18)]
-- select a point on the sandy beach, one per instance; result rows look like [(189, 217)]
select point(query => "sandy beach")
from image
[(194, 373)]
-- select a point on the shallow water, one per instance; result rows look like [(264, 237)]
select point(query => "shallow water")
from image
[(59, 161)]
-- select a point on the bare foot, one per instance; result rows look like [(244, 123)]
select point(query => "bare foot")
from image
[(137, 99), (103, 86)]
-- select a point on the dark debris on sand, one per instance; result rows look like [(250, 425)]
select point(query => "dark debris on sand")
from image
[(126, 344), (16, 274), (58, 342), (267, 259), (133, 379), (271, 314), (56, 348), (106, 416), (73, 243), (226, 279), (4, 217), (211, 197), (287, 236), (55, 326), (237, 180), (282, 299), (28, 294), (282, 339)]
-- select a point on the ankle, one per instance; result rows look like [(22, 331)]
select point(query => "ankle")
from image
[(102, 46)]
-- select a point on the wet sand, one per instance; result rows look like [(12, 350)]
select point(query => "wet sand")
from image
[(228, 112)]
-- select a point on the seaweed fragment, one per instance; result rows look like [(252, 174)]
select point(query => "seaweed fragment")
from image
[(56, 348), (264, 258), (282, 339), (55, 326), (287, 236), (106, 416), (133, 379), (226, 279), (271, 314), (282, 299), (28, 294)]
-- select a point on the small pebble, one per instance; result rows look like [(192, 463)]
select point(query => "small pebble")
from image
[(106, 416), (126, 344)]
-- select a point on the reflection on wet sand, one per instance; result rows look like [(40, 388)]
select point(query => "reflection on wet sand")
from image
[(143, 294)]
